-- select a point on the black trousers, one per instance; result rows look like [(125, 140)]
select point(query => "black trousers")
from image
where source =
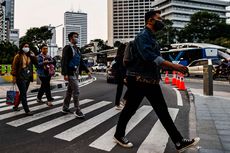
[(23, 86), (45, 88), (120, 85), (137, 91)]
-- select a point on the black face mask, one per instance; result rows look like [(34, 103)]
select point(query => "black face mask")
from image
[(159, 25)]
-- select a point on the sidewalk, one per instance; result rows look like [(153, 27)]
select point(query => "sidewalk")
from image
[(212, 121), (56, 82)]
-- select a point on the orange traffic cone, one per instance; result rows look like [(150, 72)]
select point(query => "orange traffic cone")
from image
[(178, 80), (182, 85), (174, 78), (166, 77)]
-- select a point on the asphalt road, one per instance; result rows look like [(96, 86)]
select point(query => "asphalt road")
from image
[(48, 131)]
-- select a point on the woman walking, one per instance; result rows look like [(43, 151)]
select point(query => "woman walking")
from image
[(22, 71), (44, 63)]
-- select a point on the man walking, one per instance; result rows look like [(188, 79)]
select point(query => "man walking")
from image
[(72, 65), (143, 81)]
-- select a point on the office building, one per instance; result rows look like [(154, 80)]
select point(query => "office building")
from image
[(75, 22), (14, 36), (180, 11), (126, 19)]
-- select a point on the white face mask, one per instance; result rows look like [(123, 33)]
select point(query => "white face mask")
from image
[(76, 40), (26, 49)]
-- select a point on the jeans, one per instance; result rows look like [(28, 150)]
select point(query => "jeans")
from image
[(23, 86), (137, 91), (72, 90), (45, 88), (120, 85)]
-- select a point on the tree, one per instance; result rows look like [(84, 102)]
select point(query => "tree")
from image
[(36, 37), (102, 45), (200, 27), (7, 52)]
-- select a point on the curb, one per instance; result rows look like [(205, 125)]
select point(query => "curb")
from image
[(192, 118), (60, 85)]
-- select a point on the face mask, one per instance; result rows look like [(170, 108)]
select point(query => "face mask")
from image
[(76, 40), (26, 49), (159, 25)]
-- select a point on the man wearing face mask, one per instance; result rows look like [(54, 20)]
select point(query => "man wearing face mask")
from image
[(72, 66), (143, 81), (22, 71)]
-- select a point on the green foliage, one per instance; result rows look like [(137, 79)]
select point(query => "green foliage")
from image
[(167, 35), (102, 45), (36, 37), (7, 52)]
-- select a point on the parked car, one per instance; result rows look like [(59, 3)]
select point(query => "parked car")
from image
[(196, 67), (100, 67), (110, 73)]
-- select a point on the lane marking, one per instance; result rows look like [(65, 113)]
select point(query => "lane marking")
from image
[(49, 112), (105, 142), (179, 97), (9, 107), (82, 128), (157, 139), (66, 118)]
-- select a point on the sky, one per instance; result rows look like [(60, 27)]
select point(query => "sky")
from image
[(37, 13)]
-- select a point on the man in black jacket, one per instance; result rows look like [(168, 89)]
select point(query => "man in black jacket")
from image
[(72, 65)]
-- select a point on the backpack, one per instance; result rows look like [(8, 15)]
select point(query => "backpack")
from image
[(75, 61), (128, 59)]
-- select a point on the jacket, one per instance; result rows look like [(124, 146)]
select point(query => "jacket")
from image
[(18, 63), (67, 55), (40, 70), (147, 56)]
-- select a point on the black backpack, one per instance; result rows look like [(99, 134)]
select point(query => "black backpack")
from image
[(128, 59)]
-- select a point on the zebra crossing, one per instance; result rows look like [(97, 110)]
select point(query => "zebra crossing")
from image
[(157, 137)]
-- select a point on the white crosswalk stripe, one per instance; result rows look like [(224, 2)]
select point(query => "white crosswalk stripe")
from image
[(28, 119), (29, 103), (155, 141), (66, 118), (105, 142), (80, 129), (13, 114), (157, 138)]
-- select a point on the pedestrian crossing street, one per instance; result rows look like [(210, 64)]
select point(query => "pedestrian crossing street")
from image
[(157, 137)]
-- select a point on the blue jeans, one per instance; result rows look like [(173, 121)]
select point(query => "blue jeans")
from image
[(23, 87)]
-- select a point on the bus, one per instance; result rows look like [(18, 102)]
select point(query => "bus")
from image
[(185, 53)]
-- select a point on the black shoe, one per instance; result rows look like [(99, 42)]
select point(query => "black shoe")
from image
[(79, 114), (123, 141), (39, 100), (16, 109), (186, 143), (66, 111), (29, 114)]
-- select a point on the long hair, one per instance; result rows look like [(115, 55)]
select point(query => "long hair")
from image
[(121, 50)]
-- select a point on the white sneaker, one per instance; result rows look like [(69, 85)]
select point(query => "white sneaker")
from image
[(119, 107), (122, 102)]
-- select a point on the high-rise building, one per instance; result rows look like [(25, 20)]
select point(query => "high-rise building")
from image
[(126, 19), (6, 18), (10, 13), (75, 22), (180, 11), (14, 36)]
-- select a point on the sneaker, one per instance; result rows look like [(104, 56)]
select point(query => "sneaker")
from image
[(123, 141), (186, 143), (79, 114), (16, 109), (122, 102), (39, 100), (66, 111), (119, 107), (29, 114), (49, 103)]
